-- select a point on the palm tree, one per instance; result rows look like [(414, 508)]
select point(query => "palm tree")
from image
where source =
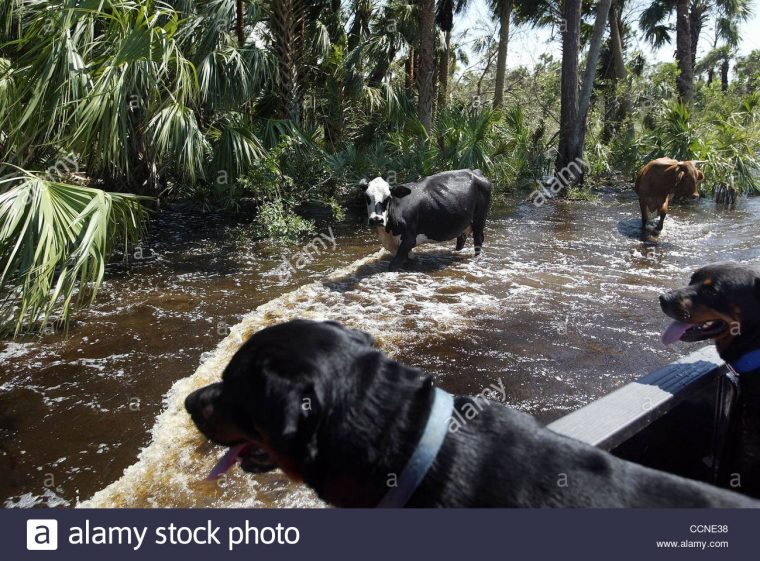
[(569, 149), (425, 84), (654, 24), (55, 238), (584, 101), (684, 56), (240, 21), (615, 73), (690, 18), (730, 13), (444, 17), (503, 11), (134, 93)]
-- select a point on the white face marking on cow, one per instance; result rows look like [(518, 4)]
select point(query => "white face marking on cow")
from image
[(377, 196)]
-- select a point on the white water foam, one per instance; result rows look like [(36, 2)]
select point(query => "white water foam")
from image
[(170, 470)]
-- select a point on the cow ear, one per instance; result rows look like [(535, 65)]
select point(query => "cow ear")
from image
[(401, 191), (363, 184), (700, 176)]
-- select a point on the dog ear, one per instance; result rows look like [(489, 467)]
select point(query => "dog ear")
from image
[(401, 191), (302, 406)]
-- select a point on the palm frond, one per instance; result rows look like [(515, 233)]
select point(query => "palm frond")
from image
[(55, 240)]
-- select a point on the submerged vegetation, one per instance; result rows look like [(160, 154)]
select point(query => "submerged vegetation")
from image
[(107, 106)]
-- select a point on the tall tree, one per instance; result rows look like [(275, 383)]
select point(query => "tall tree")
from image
[(569, 149), (685, 79), (584, 101), (729, 14), (503, 10), (699, 11), (615, 73), (240, 21), (444, 17), (287, 34), (425, 85)]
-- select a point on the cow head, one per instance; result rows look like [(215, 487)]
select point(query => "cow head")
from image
[(687, 179), (377, 195)]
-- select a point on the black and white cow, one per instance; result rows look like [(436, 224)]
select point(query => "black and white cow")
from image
[(442, 207)]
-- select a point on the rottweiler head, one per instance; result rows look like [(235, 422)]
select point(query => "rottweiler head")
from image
[(722, 303), (314, 399)]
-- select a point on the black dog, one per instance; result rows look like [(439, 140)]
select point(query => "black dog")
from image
[(722, 303), (320, 402)]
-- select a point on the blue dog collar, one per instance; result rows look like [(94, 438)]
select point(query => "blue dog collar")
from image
[(424, 455), (747, 363)]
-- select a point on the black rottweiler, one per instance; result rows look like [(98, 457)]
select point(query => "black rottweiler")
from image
[(722, 303), (320, 402)]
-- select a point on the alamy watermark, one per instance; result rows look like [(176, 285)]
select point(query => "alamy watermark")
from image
[(308, 254), (564, 177)]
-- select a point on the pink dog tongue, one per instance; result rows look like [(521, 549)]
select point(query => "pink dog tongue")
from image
[(225, 463), (674, 332)]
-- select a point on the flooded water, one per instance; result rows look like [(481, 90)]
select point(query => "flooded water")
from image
[(562, 308)]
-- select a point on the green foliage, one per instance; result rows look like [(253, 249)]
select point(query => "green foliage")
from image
[(164, 98), (522, 155), (55, 239), (671, 132), (725, 136), (275, 221)]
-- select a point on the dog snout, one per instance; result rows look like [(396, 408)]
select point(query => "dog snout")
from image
[(668, 300), (200, 403), (675, 304)]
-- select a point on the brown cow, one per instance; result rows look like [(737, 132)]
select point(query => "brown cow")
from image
[(661, 180)]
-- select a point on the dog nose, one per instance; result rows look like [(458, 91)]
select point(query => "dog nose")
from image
[(191, 401), (665, 299)]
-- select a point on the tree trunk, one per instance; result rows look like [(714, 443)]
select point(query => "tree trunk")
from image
[(695, 28), (615, 73), (724, 68), (568, 150), (584, 103), (505, 14), (287, 25), (443, 72), (683, 52), (616, 44), (240, 22), (409, 72), (425, 84)]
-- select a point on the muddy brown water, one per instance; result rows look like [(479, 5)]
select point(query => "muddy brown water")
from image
[(561, 309)]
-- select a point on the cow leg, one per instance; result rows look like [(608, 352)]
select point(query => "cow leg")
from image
[(478, 235), (663, 213), (661, 223), (407, 244), (644, 215), (461, 241)]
